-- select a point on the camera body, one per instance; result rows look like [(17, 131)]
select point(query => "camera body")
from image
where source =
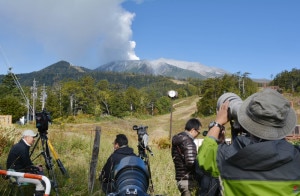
[(42, 120), (141, 130)]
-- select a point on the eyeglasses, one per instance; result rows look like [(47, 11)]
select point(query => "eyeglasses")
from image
[(197, 130)]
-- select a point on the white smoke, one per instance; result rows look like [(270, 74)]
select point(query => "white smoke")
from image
[(84, 32)]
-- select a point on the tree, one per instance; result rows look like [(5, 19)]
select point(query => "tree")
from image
[(118, 105), (104, 98), (11, 105), (288, 80), (9, 87), (69, 97), (103, 85), (213, 88), (53, 104), (163, 105), (134, 99), (87, 95)]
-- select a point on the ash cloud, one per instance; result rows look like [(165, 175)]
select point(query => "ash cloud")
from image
[(84, 32)]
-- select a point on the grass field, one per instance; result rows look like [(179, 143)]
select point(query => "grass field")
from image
[(73, 143)]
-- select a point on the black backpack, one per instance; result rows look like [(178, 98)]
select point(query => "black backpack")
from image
[(208, 185)]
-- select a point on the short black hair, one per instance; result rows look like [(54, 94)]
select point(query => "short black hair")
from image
[(121, 139), (193, 123)]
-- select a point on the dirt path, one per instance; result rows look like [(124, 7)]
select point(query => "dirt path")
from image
[(159, 126)]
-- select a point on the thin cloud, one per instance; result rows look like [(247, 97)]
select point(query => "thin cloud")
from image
[(90, 32)]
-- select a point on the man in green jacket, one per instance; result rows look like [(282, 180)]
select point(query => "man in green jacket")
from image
[(262, 163)]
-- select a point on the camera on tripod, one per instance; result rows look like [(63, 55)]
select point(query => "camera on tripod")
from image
[(42, 120), (142, 140)]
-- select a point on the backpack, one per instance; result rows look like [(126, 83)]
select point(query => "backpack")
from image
[(208, 185)]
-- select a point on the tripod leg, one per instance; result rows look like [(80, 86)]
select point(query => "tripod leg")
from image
[(150, 177), (49, 165), (58, 161), (37, 141)]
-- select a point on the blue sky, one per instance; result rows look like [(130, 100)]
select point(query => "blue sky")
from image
[(261, 37)]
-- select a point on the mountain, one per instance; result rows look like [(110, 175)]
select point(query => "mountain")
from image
[(121, 72), (164, 67), (64, 67), (53, 73)]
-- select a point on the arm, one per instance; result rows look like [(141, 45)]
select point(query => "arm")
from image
[(105, 175), (207, 155), (190, 153)]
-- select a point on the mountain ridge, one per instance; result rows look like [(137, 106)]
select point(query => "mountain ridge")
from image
[(63, 70), (164, 67)]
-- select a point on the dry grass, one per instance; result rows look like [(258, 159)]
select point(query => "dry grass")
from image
[(74, 142)]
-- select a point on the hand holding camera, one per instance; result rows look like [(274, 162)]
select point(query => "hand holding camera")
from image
[(222, 113)]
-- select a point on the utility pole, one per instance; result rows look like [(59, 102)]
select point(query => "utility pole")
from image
[(43, 97), (71, 104), (172, 94), (245, 75), (239, 80), (34, 96), (29, 108)]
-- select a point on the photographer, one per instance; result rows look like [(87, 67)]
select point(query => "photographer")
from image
[(184, 154), (121, 150), (263, 163), (19, 160)]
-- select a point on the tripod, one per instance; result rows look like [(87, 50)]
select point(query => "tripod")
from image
[(144, 149), (145, 158), (46, 148)]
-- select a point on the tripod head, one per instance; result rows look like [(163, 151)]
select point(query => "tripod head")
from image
[(42, 120)]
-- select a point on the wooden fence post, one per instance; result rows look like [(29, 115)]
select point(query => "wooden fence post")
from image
[(94, 161)]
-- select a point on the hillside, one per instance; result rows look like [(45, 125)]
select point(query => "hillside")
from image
[(158, 126)]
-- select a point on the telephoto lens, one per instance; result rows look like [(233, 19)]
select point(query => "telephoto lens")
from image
[(235, 103), (131, 177)]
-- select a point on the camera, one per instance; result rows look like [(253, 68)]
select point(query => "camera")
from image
[(142, 140), (131, 177), (235, 103), (42, 120), (141, 130)]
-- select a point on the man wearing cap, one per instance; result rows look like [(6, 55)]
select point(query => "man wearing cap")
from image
[(19, 160), (263, 163)]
